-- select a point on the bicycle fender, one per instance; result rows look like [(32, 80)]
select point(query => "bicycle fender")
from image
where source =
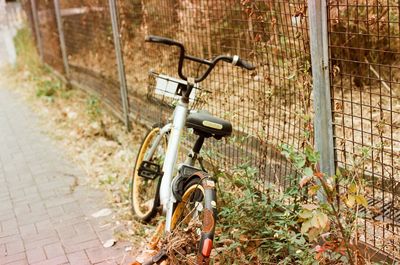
[(209, 219)]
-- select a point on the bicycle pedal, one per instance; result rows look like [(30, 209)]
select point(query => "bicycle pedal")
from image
[(149, 170)]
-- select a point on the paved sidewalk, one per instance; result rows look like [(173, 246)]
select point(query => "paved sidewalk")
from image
[(45, 215)]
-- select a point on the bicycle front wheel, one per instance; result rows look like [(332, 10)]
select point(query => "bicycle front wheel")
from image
[(193, 222), (144, 188)]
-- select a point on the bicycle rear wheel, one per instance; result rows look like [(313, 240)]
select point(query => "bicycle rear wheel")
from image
[(144, 191), (193, 222)]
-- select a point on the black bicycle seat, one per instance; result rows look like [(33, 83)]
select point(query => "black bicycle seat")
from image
[(208, 125)]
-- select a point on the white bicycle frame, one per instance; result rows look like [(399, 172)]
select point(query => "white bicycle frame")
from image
[(167, 198)]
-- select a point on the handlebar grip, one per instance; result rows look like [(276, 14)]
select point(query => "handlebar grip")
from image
[(158, 39), (242, 63)]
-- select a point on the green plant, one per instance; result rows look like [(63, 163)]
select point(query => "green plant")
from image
[(48, 87), (93, 108), (259, 226), (330, 219), (27, 56)]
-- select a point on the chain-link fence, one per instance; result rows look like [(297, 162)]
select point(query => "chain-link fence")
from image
[(265, 107), (269, 106), (364, 62)]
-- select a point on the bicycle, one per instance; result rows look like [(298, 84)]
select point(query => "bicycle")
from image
[(190, 197)]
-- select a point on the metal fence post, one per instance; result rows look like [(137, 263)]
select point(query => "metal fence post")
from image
[(321, 85), (120, 63), (37, 30), (61, 36)]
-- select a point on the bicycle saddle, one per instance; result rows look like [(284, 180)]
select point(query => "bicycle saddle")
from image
[(206, 124)]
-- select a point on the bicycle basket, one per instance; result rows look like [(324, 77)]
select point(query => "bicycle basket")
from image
[(166, 90)]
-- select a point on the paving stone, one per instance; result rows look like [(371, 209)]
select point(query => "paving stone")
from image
[(66, 231), (53, 261), (35, 255), (27, 230), (72, 207), (83, 227), (70, 219), (6, 205), (10, 238), (8, 229), (3, 249), (6, 215), (71, 247), (97, 255), (37, 207), (54, 250), (41, 220), (14, 247), (107, 262), (40, 243), (44, 226), (79, 238), (31, 218), (55, 212), (105, 235), (21, 209), (5, 259), (78, 258), (18, 262)]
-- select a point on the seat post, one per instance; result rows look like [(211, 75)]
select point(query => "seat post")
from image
[(199, 143)]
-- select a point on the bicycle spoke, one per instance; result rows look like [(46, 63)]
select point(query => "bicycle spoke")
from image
[(186, 207)]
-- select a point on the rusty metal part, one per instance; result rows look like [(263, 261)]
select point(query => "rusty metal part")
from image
[(156, 236), (208, 221), (160, 256)]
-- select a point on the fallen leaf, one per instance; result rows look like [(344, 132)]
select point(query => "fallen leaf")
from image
[(102, 213), (129, 248), (309, 206), (305, 214), (304, 181), (109, 243), (350, 201)]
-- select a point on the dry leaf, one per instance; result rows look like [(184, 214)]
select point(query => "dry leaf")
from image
[(102, 213), (109, 243)]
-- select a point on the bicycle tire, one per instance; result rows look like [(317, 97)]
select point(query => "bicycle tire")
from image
[(144, 193), (200, 189)]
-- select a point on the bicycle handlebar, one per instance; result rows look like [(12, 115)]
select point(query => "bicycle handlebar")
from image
[(158, 39), (235, 60), (243, 64)]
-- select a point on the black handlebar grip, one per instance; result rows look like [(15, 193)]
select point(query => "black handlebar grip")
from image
[(242, 63), (158, 39)]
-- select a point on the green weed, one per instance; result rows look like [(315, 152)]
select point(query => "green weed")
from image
[(93, 108), (29, 64), (48, 88), (259, 226), (27, 55)]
